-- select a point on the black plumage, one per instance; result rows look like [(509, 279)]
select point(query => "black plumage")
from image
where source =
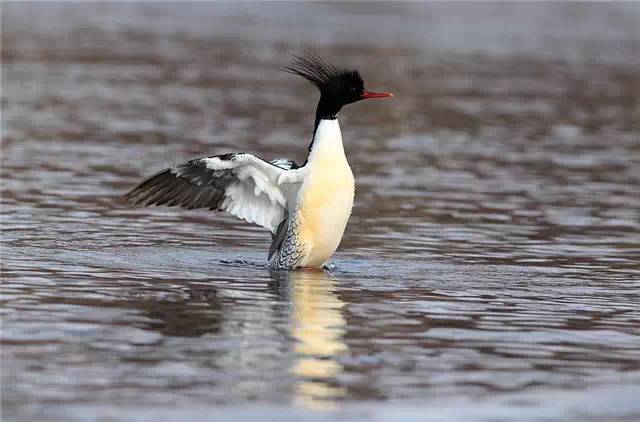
[(189, 185), (338, 87)]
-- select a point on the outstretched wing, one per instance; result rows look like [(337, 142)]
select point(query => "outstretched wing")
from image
[(241, 184)]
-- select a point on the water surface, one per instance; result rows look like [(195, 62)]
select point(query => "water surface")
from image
[(490, 269)]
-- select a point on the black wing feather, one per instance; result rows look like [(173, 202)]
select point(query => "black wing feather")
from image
[(189, 185), (278, 237)]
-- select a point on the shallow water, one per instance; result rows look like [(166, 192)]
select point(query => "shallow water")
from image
[(490, 269)]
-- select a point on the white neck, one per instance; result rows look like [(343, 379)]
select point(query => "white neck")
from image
[(327, 140)]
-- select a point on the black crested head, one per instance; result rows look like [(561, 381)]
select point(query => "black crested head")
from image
[(338, 87)]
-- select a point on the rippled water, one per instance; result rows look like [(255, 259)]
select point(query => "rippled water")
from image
[(490, 269)]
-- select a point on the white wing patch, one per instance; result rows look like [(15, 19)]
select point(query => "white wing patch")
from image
[(247, 201)]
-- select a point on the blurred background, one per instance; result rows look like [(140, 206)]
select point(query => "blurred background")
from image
[(490, 268)]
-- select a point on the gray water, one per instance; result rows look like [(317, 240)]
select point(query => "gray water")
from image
[(490, 269)]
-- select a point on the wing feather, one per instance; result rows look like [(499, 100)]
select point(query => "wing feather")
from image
[(241, 184)]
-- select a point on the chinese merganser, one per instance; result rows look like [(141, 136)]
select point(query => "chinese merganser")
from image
[(306, 207)]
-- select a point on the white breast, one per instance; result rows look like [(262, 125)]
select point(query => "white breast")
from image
[(326, 196)]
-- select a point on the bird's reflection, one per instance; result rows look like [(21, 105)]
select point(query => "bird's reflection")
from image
[(189, 312), (318, 328)]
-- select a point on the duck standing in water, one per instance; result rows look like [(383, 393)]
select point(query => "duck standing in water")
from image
[(306, 207)]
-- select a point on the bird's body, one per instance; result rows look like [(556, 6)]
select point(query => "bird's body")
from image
[(306, 208), (322, 204)]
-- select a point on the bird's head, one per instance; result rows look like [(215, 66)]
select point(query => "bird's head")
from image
[(338, 87)]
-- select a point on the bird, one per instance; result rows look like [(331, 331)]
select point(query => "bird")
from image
[(305, 207)]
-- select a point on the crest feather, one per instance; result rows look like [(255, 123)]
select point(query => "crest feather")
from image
[(317, 70)]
